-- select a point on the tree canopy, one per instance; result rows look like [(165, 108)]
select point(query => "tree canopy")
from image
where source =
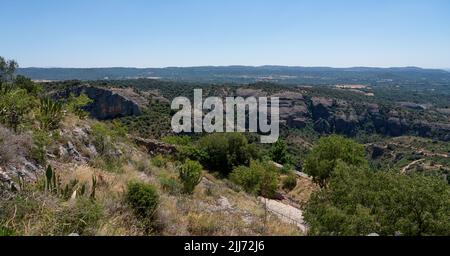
[(322, 160), (358, 201)]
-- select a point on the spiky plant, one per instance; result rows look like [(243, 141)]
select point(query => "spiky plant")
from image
[(50, 114)]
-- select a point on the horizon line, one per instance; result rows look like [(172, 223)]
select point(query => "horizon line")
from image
[(228, 66)]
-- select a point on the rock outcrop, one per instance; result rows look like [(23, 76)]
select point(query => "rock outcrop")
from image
[(330, 115), (107, 104), (155, 147)]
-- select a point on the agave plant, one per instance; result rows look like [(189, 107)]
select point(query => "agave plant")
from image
[(50, 114)]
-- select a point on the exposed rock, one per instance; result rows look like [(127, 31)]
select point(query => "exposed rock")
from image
[(107, 104), (155, 147), (413, 106), (321, 108), (343, 117), (6, 183), (224, 204), (322, 126), (73, 152), (247, 92), (346, 123)]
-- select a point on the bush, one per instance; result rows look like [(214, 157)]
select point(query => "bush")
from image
[(191, 152), (258, 179), (159, 161), (289, 182), (13, 146), (28, 85), (190, 175), (279, 153), (82, 218), (321, 161), (41, 140), (143, 166), (177, 140), (50, 114), (15, 108), (76, 105), (103, 138), (224, 151), (170, 185), (143, 199), (358, 201)]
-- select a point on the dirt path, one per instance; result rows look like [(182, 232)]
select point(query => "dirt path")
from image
[(286, 213), (405, 169)]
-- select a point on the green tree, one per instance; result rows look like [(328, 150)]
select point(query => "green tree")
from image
[(257, 179), (321, 161), (358, 201), (7, 70), (224, 151), (279, 153), (15, 106), (28, 85)]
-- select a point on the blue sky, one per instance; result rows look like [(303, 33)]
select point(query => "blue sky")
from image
[(160, 33)]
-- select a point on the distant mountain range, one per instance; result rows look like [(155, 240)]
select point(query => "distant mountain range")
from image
[(248, 74)]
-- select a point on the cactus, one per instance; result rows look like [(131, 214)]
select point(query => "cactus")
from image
[(190, 175), (54, 186)]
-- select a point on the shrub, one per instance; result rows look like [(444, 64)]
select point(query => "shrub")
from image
[(13, 146), (177, 140), (41, 140), (103, 138), (258, 179), (82, 218), (190, 175), (15, 108), (170, 185), (322, 160), (143, 199), (143, 166), (76, 105), (190, 152), (28, 85), (224, 151), (289, 182), (279, 153), (358, 201), (108, 163), (50, 114), (159, 161)]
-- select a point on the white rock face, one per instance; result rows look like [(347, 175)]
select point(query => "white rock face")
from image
[(286, 213)]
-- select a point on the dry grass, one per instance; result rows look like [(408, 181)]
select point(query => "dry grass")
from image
[(215, 208), (303, 191)]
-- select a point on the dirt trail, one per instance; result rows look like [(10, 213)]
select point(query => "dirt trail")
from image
[(405, 169)]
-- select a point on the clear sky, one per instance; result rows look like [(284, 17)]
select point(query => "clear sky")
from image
[(160, 33)]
